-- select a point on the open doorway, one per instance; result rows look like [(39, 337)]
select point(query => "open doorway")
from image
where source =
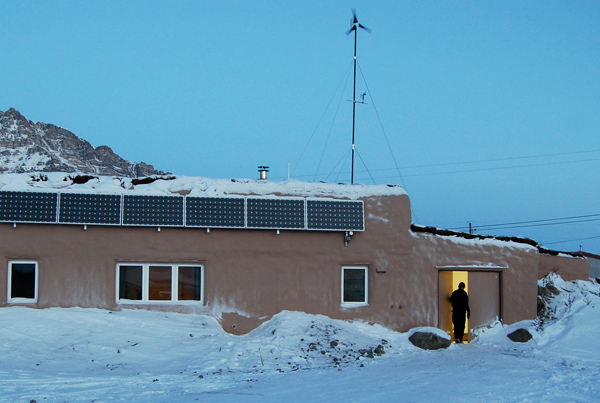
[(448, 282), (483, 288)]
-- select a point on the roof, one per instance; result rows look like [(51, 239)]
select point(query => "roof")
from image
[(526, 242), (587, 255), (188, 185)]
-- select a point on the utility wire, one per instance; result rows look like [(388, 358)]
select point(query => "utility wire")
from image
[(480, 169), (341, 161), (342, 165), (489, 169), (382, 128), (322, 116), (501, 168), (493, 160), (539, 225), (363, 162), (538, 221), (571, 240), (332, 123)]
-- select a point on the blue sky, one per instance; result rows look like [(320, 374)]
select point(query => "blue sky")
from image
[(485, 111)]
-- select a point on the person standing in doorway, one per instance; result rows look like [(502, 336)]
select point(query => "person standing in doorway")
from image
[(460, 308)]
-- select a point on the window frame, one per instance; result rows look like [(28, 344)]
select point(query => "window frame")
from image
[(355, 304), (145, 298), (22, 300)]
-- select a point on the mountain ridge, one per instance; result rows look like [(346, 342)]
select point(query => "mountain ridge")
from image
[(27, 146)]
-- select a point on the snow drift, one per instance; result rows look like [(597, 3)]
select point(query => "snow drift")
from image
[(88, 355)]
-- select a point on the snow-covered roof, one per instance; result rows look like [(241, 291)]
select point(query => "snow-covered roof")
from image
[(194, 186)]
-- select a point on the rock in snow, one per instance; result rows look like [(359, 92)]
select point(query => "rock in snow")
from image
[(429, 341), (85, 355), (520, 336)]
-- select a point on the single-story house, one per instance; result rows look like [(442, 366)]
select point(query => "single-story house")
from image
[(244, 250), (594, 260)]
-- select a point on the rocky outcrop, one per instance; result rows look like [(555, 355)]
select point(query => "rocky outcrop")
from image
[(27, 146)]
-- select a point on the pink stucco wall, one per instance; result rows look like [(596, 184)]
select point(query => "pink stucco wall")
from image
[(569, 268), (251, 275)]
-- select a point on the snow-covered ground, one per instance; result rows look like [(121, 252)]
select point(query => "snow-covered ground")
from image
[(90, 355)]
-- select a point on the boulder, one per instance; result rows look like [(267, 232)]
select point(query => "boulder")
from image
[(429, 341), (520, 336)]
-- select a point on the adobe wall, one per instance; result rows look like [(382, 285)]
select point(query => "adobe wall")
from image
[(569, 268), (251, 275), (516, 263)]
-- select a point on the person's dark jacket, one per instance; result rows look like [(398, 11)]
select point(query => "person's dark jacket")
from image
[(460, 303)]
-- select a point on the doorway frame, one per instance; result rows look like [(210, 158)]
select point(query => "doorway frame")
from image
[(473, 269)]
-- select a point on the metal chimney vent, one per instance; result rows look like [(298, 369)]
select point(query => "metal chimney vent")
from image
[(263, 172)]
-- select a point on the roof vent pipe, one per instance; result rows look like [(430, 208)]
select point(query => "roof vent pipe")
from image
[(263, 172)]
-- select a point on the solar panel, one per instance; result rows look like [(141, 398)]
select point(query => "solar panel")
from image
[(216, 212), (153, 210), (226, 212), (335, 215), (89, 209), (35, 207), (275, 213)]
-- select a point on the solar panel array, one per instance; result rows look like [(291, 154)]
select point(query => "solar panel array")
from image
[(183, 211), (28, 207), (89, 209), (215, 212), (335, 215), (153, 210), (276, 213)]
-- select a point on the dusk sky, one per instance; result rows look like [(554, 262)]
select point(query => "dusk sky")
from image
[(484, 111)]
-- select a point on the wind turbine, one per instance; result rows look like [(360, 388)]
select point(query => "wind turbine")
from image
[(354, 25)]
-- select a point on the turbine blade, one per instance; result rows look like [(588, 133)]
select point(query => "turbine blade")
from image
[(355, 18), (350, 30), (365, 28)]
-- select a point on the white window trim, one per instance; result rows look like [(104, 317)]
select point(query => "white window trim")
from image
[(356, 304), (146, 284), (20, 300)]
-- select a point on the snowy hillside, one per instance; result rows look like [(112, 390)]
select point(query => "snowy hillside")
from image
[(88, 355), (27, 146)]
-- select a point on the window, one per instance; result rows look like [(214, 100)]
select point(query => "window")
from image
[(355, 286), (22, 282), (158, 283), (130, 282)]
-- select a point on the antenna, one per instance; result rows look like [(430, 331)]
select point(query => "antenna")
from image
[(354, 25)]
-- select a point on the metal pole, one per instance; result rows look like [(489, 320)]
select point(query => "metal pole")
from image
[(354, 105)]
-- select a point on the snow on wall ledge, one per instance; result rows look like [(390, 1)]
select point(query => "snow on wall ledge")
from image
[(194, 186), (516, 243)]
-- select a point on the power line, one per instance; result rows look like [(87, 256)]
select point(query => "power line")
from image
[(382, 129), (495, 160), (491, 169), (571, 240), (540, 225), (537, 223), (331, 127), (477, 169), (322, 116)]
